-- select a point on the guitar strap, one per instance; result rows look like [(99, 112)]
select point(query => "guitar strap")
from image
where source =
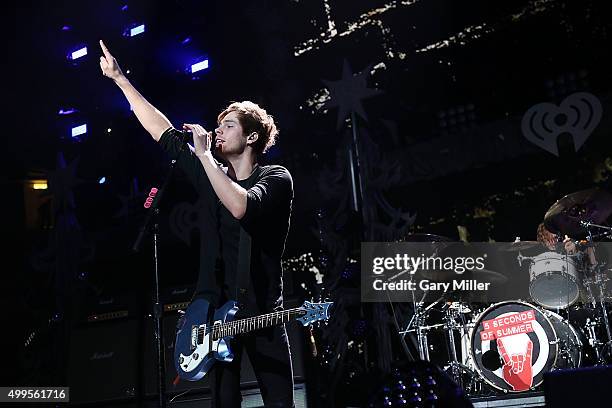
[(243, 270)]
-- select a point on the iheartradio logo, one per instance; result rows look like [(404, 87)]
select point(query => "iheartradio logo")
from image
[(149, 201), (579, 114)]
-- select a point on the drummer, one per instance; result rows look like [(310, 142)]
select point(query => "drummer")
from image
[(551, 240)]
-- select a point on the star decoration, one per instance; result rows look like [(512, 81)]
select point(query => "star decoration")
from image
[(130, 203), (348, 92), (61, 182)]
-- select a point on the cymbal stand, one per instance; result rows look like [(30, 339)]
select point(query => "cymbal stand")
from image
[(599, 281), (422, 342), (418, 321), (457, 368), (607, 348)]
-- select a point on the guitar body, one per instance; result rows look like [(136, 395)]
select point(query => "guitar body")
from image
[(195, 350)]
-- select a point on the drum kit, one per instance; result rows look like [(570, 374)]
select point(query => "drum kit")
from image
[(508, 346)]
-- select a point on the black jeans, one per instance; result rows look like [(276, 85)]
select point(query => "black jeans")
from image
[(268, 351)]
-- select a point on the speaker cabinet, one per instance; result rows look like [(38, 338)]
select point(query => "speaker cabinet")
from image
[(579, 387), (103, 362)]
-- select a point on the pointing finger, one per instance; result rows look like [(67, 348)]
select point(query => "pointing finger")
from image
[(105, 50)]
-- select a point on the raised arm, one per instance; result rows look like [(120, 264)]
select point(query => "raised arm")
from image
[(149, 117)]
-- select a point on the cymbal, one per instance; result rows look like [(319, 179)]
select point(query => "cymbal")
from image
[(519, 246), (564, 216), (445, 276), (422, 237), (430, 244)]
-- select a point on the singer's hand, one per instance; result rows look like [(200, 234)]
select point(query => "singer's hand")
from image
[(109, 65), (202, 140)]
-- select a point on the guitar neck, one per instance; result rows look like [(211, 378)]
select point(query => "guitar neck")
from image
[(254, 323)]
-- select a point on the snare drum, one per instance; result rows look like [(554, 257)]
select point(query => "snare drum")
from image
[(514, 343), (553, 280)]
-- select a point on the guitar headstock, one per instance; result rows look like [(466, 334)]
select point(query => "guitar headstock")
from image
[(314, 312)]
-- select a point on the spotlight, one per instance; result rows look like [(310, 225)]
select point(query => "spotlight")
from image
[(66, 111), (79, 130), (134, 31), (81, 52), (39, 185), (199, 66), (102, 180)]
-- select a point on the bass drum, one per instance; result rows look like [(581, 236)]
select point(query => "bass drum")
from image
[(514, 343)]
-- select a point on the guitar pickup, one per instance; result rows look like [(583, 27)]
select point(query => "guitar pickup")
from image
[(194, 337)]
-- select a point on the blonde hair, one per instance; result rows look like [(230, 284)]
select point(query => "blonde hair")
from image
[(254, 118)]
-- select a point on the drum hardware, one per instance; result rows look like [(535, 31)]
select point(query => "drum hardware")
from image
[(588, 225), (553, 279), (417, 325), (419, 317), (461, 373), (460, 307), (603, 352), (593, 338), (581, 214)]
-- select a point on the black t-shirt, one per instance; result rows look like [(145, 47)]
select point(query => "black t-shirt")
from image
[(269, 198)]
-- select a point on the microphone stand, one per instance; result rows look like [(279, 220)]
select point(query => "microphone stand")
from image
[(151, 222)]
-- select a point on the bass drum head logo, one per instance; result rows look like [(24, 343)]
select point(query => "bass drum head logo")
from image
[(521, 336)]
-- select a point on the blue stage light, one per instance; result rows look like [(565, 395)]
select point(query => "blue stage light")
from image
[(79, 130), (102, 180), (199, 66), (66, 111), (137, 30), (81, 52)]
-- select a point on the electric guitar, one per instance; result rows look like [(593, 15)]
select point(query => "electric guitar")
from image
[(201, 341)]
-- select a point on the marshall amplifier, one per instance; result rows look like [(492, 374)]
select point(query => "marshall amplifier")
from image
[(110, 307), (103, 362)]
